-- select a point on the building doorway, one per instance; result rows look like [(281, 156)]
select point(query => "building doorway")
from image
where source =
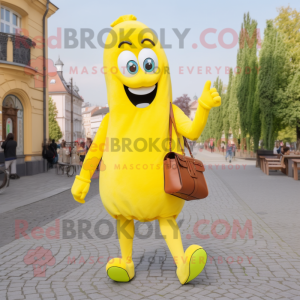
[(13, 121)]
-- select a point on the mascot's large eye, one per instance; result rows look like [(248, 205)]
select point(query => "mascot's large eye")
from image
[(127, 63), (132, 67), (149, 64), (149, 61)]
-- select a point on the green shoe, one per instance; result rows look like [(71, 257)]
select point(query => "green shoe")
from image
[(193, 264), (118, 270)]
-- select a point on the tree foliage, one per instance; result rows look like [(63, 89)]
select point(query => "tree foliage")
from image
[(288, 134), (183, 103), (288, 24), (225, 107), (256, 120), (54, 129), (234, 114), (217, 114), (247, 75), (262, 100), (273, 79), (288, 104)]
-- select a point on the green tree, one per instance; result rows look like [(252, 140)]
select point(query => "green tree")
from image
[(54, 129), (247, 76), (207, 132), (288, 24), (256, 121), (214, 125), (288, 134), (225, 109), (288, 103), (272, 81), (217, 115), (233, 110)]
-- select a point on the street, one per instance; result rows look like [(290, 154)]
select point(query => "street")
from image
[(247, 226)]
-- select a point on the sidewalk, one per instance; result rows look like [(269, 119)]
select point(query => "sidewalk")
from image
[(29, 189), (250, 262), (217, 157), (275, 198)]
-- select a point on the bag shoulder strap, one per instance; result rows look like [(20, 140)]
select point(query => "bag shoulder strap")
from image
[(172, 120)]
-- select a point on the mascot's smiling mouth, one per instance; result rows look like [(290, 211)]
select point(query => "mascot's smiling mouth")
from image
[(141, 97)]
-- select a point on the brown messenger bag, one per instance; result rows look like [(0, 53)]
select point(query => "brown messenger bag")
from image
[(183, 175)]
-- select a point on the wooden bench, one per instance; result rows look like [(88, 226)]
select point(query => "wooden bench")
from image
[(265, 153), (263, 161), (274, 167), (296, 168), (270, 161), (271, 164)]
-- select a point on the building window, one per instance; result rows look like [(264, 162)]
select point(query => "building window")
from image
[(10, 21), (52, 81)]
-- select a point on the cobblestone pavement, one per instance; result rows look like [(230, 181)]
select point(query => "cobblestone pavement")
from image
[(262, 266), (29, 189), (274, 198), (41, 212)]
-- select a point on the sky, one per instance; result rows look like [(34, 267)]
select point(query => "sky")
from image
[(186, 63)]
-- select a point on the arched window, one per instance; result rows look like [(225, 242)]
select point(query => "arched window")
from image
[(10, 20), (17, 127)]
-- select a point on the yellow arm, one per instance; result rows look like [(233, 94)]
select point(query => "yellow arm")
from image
[(190, 129), (95, 152), (81, 184), (193, 129)]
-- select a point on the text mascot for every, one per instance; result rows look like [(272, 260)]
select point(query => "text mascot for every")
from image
[(139, 95)]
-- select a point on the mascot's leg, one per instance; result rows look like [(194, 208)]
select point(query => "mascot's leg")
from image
[(122, 269), (189, 263)]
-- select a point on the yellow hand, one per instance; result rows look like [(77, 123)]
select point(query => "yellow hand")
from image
[(210, 97), (80, 188)]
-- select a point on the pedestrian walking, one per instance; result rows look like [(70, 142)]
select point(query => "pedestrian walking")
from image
[(65, 152), (53, 145), (88, 144), (10, 146), (49, 155), (223, 147), (53, 148), (82, 151), (212, 145), (233, 150), (76, 145), (229, 151)]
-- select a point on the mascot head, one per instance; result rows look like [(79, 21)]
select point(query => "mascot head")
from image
[(137, 71)]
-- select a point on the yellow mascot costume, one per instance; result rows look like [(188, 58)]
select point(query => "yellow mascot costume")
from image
[(131, 142)]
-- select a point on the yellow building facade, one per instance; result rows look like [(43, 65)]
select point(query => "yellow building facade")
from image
[(21, 76)]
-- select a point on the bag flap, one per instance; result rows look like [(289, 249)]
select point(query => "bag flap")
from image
[(199, 165), (182, 160)]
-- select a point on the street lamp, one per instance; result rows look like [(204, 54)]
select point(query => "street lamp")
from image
[(70, 86)]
